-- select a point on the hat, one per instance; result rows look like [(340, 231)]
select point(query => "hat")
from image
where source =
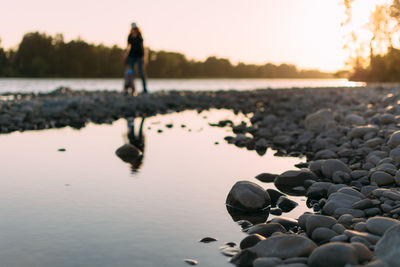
[(133, 25)]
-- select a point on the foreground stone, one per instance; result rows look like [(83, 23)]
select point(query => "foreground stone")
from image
[(284, 246), (248, 197)]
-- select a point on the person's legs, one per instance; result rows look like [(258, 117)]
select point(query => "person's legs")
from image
[(141, 73)]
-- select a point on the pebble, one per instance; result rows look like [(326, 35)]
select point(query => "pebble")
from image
[(208, 240), (191, 261)]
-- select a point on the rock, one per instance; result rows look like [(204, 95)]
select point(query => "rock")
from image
[(274, 196), (315, 221), (381, 178), (357, 174), (353, 212), (282, 140), (367, 236), (286, 204), (393, 195), (339, 238), (325, 154), (387, 119), (266, 177), (191, 262), (362, 251), (266, 229), (288, 223), (244, 258), (377, 263), (338, 228), (327, 255), (229, 251), (378, 225), (294, 178), (394, 139), (360, 227), (292, 265), (397, 178), (332, 165), (362, 204), (339, 200), (275, 211), (395, 154), (322, 235), (354, 119), (302, 260), (350, 191), (360, 131), (388, 247), (208, 239), (318, 120), (284, 246), (128, 153), (251, 240), (248, 197), (318, 190), (267, 262)]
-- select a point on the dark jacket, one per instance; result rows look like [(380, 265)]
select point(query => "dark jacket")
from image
[(137, 49)]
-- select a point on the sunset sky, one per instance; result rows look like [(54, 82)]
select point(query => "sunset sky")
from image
[(303, 32)]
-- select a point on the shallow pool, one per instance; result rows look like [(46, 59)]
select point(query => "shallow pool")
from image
[(86, 207)]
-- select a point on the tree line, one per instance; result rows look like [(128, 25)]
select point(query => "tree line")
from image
[(376, 59), (42, 55)]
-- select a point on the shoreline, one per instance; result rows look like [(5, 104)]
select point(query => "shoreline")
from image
[(348, 135)]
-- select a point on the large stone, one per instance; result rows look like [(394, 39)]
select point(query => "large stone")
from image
[(318, 190), (330, 166), (315, 221), (381, 178), (285, 246), (286, 204), (388, 247), (251, 240), (337, 254), (288, 223), (248, 197), (318, 120), (339, 200), (267, 262), (294, 178), (378, 225), (394, 139), (266, 229), (322, 234)]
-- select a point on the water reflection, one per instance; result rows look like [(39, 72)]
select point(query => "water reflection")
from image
[(254, 218), (133, 151)]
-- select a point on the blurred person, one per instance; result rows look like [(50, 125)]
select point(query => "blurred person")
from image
[(135, 53)]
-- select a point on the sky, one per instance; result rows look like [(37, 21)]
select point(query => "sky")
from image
[(306, 33)]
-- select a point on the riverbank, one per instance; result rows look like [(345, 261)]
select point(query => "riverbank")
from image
[(348, 136)]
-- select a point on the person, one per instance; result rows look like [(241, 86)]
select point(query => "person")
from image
[(135, 53), (129, 83)]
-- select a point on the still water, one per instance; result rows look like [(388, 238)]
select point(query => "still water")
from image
[(154, 85), (86, 207)]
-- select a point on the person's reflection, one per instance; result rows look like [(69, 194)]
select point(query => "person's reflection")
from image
[(137, 141)]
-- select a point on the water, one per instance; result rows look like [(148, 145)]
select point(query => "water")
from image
[(154, 85), (86, 207)]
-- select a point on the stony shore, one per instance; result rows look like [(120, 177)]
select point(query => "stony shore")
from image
[(350, 139)]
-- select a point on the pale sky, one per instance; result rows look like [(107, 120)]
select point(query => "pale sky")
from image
[(303, 32)]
